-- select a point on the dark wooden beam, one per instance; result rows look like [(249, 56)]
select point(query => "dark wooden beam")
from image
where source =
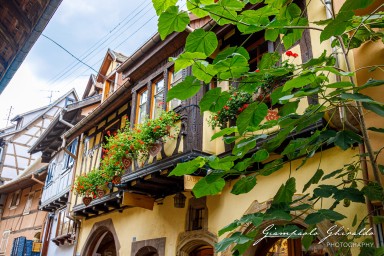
[(90, 211), (100, 208), (18, 13)]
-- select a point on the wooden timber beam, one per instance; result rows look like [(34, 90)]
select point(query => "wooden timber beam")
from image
[(20, 15), (90, 211)]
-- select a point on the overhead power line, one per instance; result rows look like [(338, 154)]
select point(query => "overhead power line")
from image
[(107, 37)]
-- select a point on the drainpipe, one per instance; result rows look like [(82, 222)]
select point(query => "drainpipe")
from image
[(37, 180), (64, 122)]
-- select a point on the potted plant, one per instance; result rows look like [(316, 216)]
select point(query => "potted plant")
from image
[(155, 132), (237, 103), (89, 185)]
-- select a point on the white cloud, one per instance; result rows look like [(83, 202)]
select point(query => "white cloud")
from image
[(26, 92)]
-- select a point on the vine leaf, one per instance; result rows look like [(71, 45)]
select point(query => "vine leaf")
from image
[(172, 20), (244, 185), (185, 89), (201, 41), (314, 180)]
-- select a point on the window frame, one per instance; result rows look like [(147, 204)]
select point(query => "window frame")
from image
[(15, 200), (69, 161), (154, 94), (28, 204), (139, 104), (62, 228), (172, 83), (4, 241)]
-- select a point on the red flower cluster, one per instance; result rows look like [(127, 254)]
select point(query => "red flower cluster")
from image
[(241, 109), (291, 54)]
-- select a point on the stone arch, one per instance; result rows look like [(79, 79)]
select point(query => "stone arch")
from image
[(100, 231), (147, 251), (299, 217), (189, 241)]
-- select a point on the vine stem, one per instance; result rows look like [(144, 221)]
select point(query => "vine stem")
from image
[(363, 125)]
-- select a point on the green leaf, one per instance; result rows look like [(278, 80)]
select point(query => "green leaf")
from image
[(225, 11), (272, 167), (314, 180), (354, 222), (260, 155), (332, 174), (236, 238), (285, 192), (228, 53), (225, 163), (371, 83), (251, 116), (375, 129), (205, 186), (162, 5), (381, 169), (300, 81), (278, 215), (188, 167), (186, 59), (374, 191), (340, 85), (201, 41), (225, 131), (300, 207), (244, 185), (268, 60), (337, 26), (203, 71), (334, 71), (323, 214), (244, 145), (345, 139), (356, 97), (232, 67), (185, 89), (368, 250), (209, 99), (351, 193), (172, 20), (351, 5), (229, 227), (271, 34), (316, 61), (378, 109), (324, 191), (307, 240), (193, 6)]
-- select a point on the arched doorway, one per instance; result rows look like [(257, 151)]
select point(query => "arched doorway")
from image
[(202, 251), (196, 243), (147, 251), (105, 245), (102, 240)]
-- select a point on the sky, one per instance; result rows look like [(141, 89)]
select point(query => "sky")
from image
[(85, 28)]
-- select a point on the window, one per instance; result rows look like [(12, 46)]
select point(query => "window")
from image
[(15, 199), (68, 159), (4, 241), (174, 79), (51, 172), (158, 98), (64, 224), (142, 106), (28, 205), (197, 214), (1, 153)]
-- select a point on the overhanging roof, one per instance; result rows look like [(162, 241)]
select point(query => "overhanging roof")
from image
[(21, 23)]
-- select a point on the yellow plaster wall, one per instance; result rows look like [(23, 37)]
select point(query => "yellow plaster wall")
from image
[(167, 221)]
